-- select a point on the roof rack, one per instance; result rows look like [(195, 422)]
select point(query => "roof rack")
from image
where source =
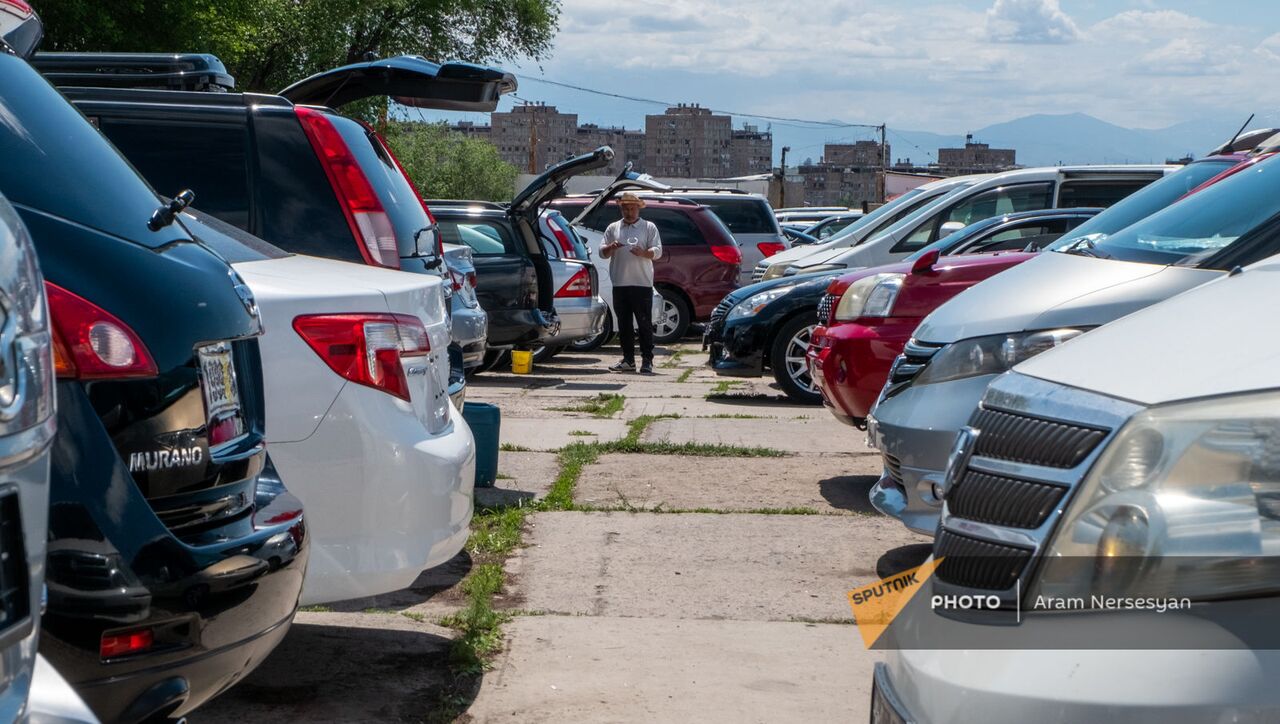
[(464, 202), (165, 71), (704, 189)]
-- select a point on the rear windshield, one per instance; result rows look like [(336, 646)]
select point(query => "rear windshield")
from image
[(1195, 228), (231, 243), (743, 215), (81, 176), (1145, 202), (398, 198)]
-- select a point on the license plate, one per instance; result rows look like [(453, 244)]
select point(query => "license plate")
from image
[(221, 393), (873, 433)]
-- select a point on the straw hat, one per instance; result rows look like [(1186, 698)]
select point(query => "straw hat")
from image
[(629, 197)]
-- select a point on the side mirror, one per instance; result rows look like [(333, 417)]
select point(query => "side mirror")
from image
[(949, 228), (926, 261)]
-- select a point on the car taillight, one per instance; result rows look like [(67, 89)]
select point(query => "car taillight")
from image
[(366, 348), (769, 248), (369, 222), (579, 285), (22, 7), (565, 245), (727, 253), (122, 644), (89, 343), (459, 279)]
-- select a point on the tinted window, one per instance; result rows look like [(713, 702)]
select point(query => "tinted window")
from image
[(81, 176), (979, 206), (1033, 234), (676, 228), (1152, 198), (485, 237), (162, 152), (743, 215), (1096, 193)]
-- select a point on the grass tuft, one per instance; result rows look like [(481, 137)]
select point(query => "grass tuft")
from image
[(602, 405), (508, 447), (684, 376)]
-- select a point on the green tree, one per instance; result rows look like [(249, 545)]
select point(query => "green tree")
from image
[(445, 164), (268, 44)]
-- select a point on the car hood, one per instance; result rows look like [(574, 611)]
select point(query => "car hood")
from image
[(410, 80), (791, 281), (827, 256), (1123, 359), (945, 266), (1056, 290)]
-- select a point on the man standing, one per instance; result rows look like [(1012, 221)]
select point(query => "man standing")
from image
[(631, 244)]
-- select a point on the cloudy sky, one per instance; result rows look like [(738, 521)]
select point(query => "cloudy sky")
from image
[(918, 64)]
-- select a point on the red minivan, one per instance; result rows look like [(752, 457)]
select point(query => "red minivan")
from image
[(699, 263)]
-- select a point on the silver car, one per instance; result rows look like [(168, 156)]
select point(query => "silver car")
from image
[(469, 322), (578, 303)]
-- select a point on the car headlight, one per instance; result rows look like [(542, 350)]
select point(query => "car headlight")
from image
[(991, 355), (752, 305), (871, 296), (1184, 502)]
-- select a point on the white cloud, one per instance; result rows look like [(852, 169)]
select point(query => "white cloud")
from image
[(1189, 57), (1030, 21)]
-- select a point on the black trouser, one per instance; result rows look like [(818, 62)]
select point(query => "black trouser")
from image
[(635, 302)]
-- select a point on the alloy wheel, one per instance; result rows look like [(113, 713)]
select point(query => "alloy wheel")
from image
[(797, 365)]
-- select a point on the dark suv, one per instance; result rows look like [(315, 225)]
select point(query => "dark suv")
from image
[(284, 167), (175, 554), (699, 264)]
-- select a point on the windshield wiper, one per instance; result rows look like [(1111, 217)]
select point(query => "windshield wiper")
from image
[(1087, 246)]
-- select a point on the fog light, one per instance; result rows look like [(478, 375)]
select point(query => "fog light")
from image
[(123, 644), (938, 492)]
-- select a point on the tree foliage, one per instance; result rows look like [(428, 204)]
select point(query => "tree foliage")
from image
[(445, 164), (268, 44)]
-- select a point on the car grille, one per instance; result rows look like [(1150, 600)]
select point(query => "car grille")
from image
[(975, 563), (894, 467), (914, 358), (998, 500), (1033, 441), (826, 306), (722, 309), (757, 274), (15, 598)]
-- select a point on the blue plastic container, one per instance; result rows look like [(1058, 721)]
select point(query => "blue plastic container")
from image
[(485, 421)]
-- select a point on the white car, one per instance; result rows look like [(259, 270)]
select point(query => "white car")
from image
[(359, 420), (1166, 492)]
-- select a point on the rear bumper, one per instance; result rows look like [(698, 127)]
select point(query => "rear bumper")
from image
[(386, 499), (469, 329), (578, 318), (850, 363)]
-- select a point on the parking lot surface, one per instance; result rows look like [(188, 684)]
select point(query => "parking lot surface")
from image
[(699, 576)]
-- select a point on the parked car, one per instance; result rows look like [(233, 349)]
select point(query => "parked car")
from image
[(565, 242), (468, 323), (1079, 284), (175, 553), (699, 263), (356, 369), (748, 217), (1166, 491), (1025, 189), (866, 317), (20, 28), (832, 225), (796, 238), (283, 167), (806, 216), (579, 306), (767, 326), (867, 227)]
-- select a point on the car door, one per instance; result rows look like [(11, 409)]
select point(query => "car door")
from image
[(506, 281)]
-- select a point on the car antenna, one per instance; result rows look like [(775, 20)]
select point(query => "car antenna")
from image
[(1232, 142)]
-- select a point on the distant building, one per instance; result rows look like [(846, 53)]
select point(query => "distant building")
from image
[(688, 141), (514, 134), (750, 151), (847, 175), (975, 158), (860, 153), (626, 145)]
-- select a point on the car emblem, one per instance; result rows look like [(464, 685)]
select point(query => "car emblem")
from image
[(958, 460)]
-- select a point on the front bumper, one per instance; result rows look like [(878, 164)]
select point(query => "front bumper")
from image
[(914, 432), (469, 329), (850, 363), (579, 318), (388, 499), (736, 348), (1118, 687)]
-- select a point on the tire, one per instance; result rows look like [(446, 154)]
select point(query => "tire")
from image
[(492, 359), (591, 344), (545, 352), (786, 357), (676, 317)]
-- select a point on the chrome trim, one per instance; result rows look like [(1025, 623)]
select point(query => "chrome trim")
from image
[(1022, 471)]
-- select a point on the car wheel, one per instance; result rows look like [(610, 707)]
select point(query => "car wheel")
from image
[(674, 321), (492, 359), (542, 353), (591, 344), (788, 359)]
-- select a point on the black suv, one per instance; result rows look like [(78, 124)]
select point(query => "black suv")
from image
[(175, 555), (284, 167)]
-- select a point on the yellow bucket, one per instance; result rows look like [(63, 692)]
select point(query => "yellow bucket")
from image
[(521, 362)]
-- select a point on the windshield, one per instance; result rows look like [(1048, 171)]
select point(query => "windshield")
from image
[(1193, 229), (891, 209), (1146, 201)]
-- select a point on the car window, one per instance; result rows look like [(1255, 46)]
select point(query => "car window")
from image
[(1096, 193), (983, 205), (486, 238), (230, 242), (743, 215), (676, 228), (1035, 234)]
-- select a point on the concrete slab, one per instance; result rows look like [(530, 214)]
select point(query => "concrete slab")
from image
[(436, 593), (699, 566), (719, 409), (814, 436), (563, 669), (335, 667), (523, 477), (548, 434), (827, 484)]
